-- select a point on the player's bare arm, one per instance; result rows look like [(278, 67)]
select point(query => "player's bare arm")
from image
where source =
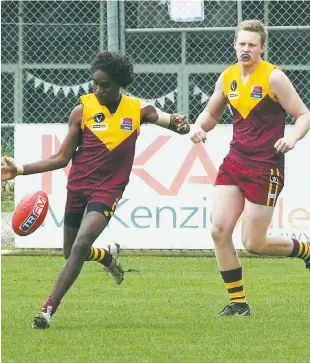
[(56, 161), (174, 122), (289, 99), (212, 113)]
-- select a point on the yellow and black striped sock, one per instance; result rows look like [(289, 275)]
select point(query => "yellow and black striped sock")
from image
[(234, 285), (99, 255), (300, 250)]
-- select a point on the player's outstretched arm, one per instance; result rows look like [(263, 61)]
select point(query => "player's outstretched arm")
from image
[(212, 113), (56, 161), (289, 99), (174, 122)]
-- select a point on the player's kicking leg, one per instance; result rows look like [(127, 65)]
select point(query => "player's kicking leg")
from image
[(224, 220), (115, 268), (107, 257), (91, 227)]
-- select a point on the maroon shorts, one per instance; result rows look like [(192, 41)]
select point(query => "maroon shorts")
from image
[(78, 202), (259, 185)]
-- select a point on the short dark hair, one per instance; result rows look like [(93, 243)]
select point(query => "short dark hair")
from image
[(119, 67)]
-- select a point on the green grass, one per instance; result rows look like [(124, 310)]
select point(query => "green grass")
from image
[(163, 313)]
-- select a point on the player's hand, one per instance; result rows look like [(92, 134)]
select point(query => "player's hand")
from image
[(285, 144), (9, 170), (178, 121), (198, 135)]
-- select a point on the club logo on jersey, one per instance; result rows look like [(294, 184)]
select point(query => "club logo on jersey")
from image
[(233, 85), (274, 179), (97, 127), (126, 123), (257, 92), (233, 95), (99, 117), (34, 215)]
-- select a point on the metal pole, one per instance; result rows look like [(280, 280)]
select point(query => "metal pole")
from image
[(239, 10), (113, 26), (210, 29), (18, 76), (102, 20), (266, 20), (183, 84), (122, 43)]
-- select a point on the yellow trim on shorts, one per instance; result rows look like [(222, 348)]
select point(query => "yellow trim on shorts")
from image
[(277, 188), (270, 187)]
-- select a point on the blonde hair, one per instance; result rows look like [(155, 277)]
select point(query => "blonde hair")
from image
[(254, 26)]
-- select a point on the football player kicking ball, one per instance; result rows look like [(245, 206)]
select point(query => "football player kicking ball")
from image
[(251, 176), (101, 141)]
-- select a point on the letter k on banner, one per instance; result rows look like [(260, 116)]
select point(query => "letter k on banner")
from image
[(197, 152)]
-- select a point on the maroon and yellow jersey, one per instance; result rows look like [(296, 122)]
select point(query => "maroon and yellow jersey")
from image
[(258, 118), (105, 154)]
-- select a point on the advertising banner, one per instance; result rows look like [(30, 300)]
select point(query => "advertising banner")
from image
[(167, 203)]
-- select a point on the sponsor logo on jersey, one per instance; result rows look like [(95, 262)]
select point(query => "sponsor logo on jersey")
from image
[(126, 123), (97, 127), (257, 92), (99, 117), (233, 95)]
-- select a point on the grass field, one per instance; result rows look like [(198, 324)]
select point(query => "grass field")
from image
[(163, 313)]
